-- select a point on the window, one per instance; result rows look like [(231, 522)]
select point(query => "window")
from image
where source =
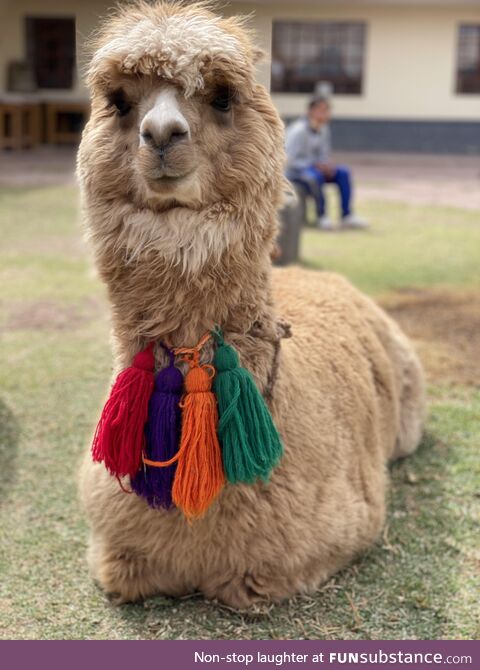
[(468, 68), (306, 53), (51, 51)]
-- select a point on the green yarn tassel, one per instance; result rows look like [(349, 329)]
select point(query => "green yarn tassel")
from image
[(251, 445)]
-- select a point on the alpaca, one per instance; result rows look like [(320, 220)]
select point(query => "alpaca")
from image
[(181, 174)]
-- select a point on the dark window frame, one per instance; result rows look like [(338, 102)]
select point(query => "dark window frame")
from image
[(343, 54), (62, 76), (467, 83)]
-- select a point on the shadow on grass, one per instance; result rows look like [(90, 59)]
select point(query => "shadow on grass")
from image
[(9, 436), (400, 588)]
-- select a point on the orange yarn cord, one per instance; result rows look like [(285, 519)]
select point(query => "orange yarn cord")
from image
[(161, 464), (189, 353)]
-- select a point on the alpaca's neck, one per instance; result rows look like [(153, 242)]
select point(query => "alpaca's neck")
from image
[(174, 279), (152, 299), (178, 310)]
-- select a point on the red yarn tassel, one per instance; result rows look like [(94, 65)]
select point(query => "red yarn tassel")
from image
[(119, 437)]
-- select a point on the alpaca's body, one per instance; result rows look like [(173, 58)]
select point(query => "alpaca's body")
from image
[(182, 255), (347, 382)]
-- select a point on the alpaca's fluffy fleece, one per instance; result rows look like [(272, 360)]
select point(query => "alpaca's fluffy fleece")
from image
[(349, 391)]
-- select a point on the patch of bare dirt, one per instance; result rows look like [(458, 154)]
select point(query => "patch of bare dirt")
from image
[(42, 166), (49, 315), (445, 327), (420, 179)]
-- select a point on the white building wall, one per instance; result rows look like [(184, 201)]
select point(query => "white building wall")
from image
[(410, 59), (12, 31)]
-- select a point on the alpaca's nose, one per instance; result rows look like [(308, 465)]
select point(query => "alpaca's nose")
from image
[(164, 125), (162, 137)]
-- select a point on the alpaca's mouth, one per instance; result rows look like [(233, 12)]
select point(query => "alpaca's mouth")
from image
[(160, 174), (168, 179), (160, 180), (163, 187)]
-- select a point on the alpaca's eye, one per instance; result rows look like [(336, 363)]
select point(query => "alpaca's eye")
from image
[(120, 102), (222, 100)]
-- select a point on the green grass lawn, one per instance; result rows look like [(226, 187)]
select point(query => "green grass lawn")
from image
[(421, 580), (406, 246)]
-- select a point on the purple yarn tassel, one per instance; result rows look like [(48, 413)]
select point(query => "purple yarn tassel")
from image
[(162, 434)]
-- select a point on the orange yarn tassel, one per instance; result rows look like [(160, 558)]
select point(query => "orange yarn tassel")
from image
[(199, 477)]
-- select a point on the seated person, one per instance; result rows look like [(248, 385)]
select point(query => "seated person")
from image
[(308, 155)]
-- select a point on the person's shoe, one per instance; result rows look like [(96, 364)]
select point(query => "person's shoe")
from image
[(353, 222), (324, 223)]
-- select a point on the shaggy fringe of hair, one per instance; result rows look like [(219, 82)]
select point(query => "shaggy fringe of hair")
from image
[(119, 12)]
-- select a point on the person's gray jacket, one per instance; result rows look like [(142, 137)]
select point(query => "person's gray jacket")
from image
[(305, 146)]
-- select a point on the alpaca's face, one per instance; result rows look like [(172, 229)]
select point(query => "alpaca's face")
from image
[(177, 118), (176, 148)]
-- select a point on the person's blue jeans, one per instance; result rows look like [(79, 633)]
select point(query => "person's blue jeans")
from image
[(313, 180)]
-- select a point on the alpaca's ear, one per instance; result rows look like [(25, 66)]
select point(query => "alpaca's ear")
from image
[(258, 55)]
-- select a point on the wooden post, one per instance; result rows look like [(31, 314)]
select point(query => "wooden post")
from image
[(292, 220)]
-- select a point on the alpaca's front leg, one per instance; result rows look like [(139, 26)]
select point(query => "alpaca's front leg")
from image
[(242, 590), (128, 575)]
